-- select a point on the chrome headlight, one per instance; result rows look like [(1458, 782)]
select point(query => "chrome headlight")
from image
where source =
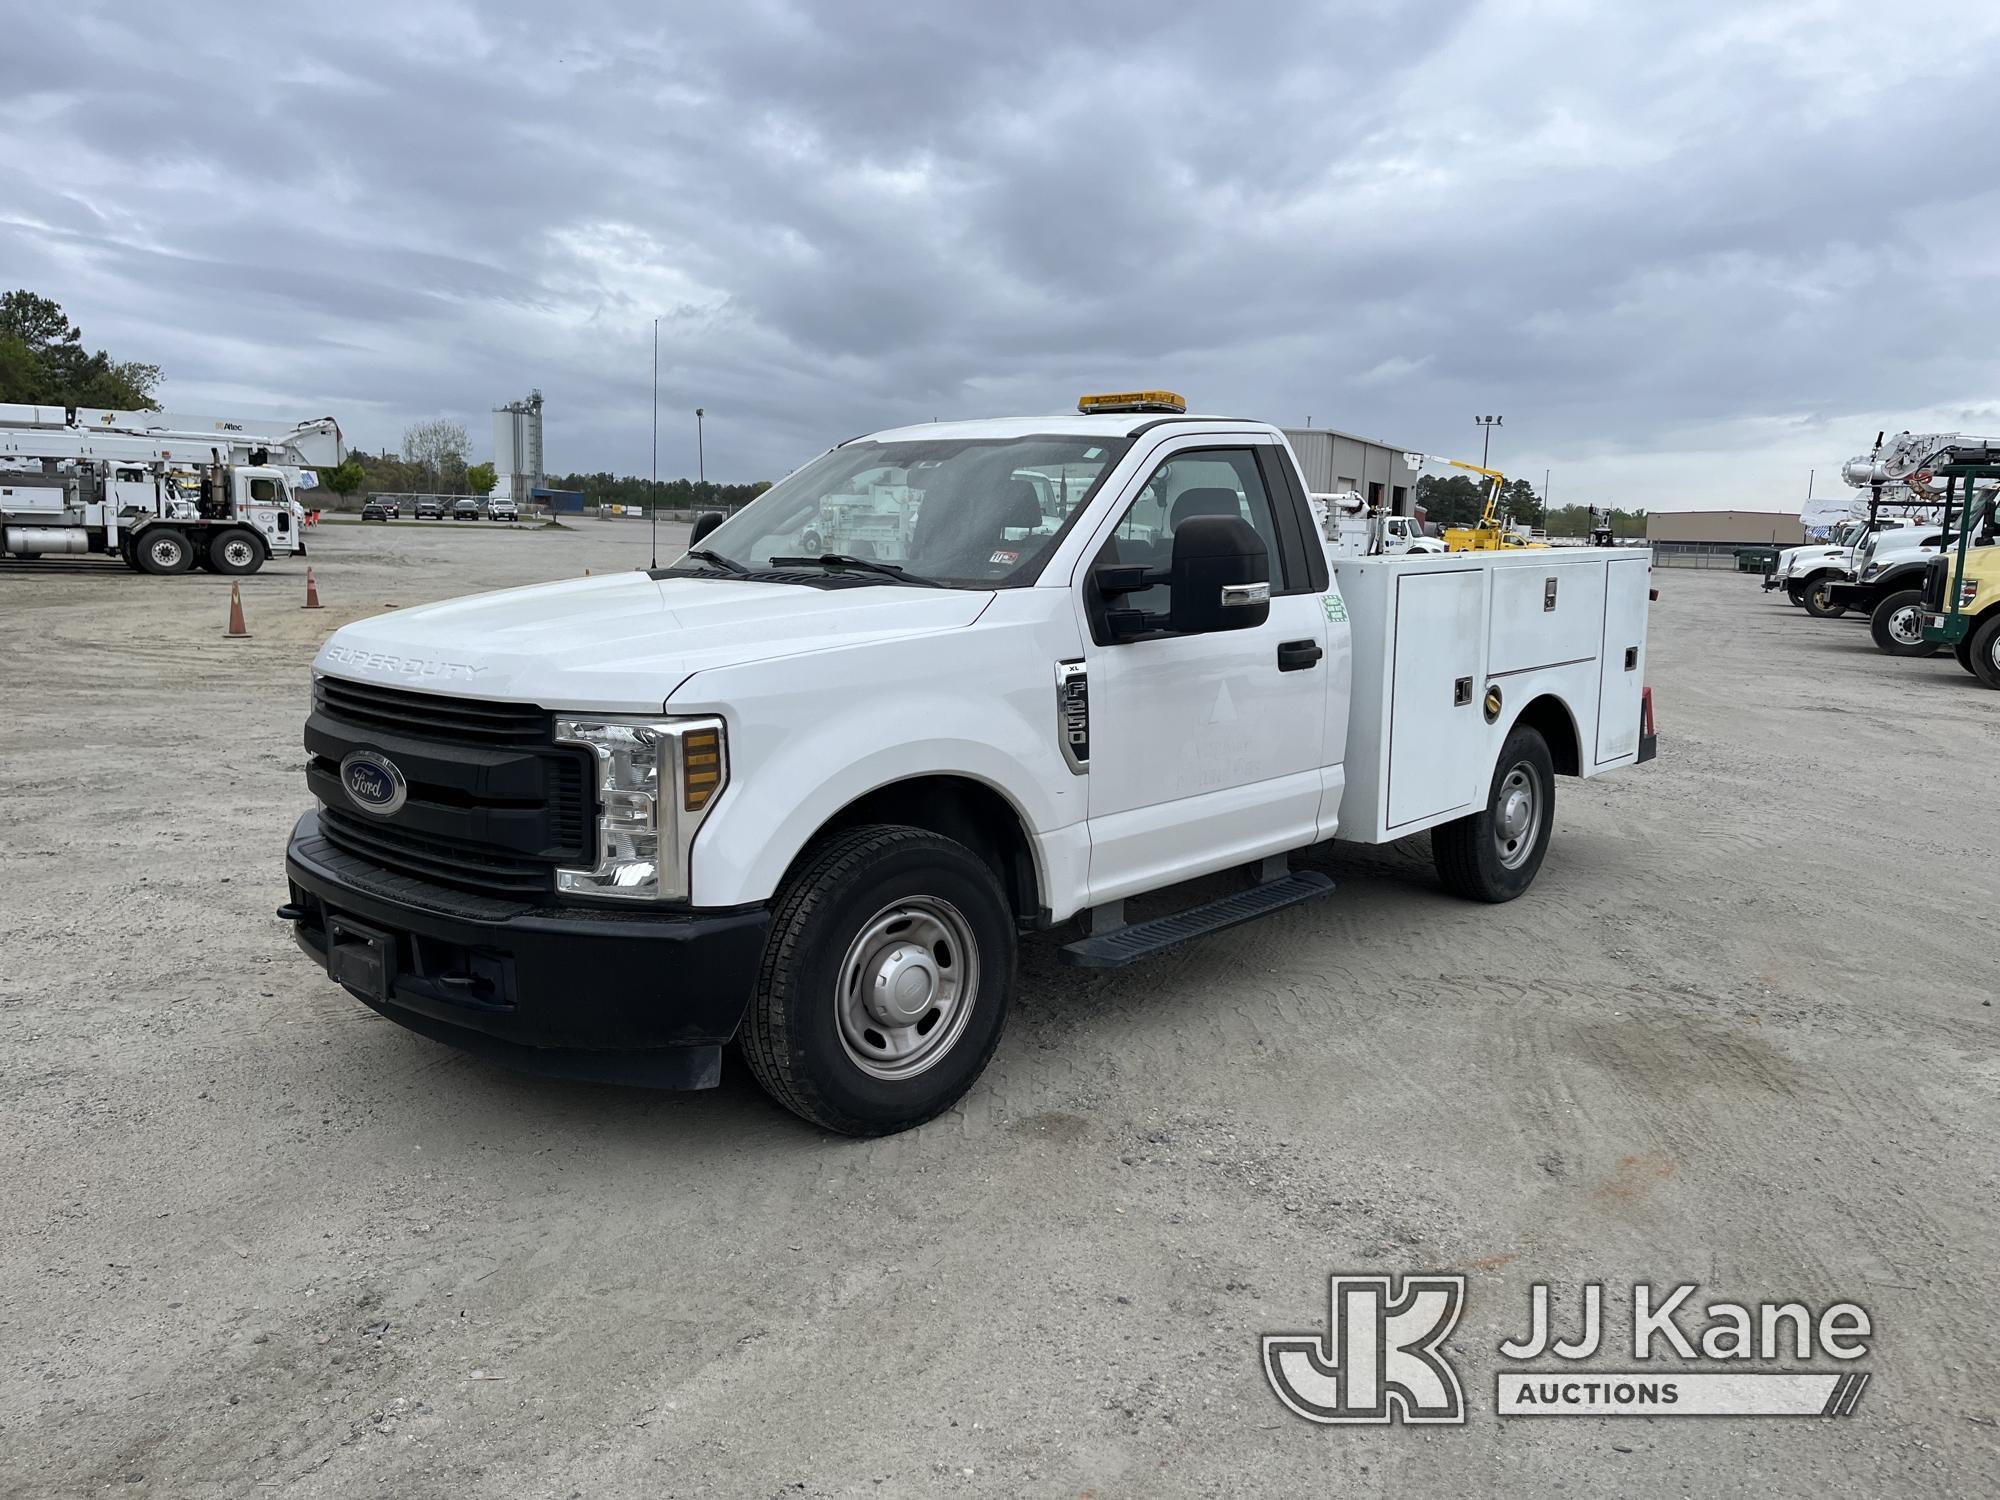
[(1871, 570), (656, 780)]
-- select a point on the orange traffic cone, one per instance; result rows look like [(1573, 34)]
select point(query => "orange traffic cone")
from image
[(236, 631), (312, 592)]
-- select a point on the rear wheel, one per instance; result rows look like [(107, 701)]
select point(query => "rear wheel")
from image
[(1985, 652), (1819, 599), (1898, 625), (1494, 855), (885, 981), (163, 550), (235, 553)]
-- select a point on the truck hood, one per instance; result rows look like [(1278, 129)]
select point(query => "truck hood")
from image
[(624, 642)]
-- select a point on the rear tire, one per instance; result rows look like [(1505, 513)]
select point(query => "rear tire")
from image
[(1494, 855), (1984, 652), (885, 981), (164, 551), (1898, 625), (1819, 600), (235, 553)]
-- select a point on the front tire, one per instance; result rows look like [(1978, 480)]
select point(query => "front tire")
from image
[(1985, 652), (885, 981), (235, 553), (1494, 855), (1898, 625), (1819, 600), (1796, 592)]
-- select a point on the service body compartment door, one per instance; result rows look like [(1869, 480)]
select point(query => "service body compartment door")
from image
[(1545, 615), (1622, 670), (1434, 717)]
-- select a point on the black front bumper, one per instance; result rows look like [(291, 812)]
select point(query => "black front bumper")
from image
[(581, 992), (1857, 596)]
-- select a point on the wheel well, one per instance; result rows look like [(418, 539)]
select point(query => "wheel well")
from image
[(1550, 717), (959, 808)]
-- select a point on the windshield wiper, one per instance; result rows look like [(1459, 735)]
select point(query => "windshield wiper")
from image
[(727, 564), (838, 561)]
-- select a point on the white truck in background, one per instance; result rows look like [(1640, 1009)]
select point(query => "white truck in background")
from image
[(809, 800), (162, 493)]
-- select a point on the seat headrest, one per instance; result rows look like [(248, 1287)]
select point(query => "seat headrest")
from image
[(1214, 501), (1020, 507)]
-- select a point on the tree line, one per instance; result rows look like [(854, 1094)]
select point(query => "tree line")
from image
[(1460, 499), (43, 362), (668, 494)]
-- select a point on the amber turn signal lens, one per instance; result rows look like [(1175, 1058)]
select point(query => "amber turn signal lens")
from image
[(701, 767)]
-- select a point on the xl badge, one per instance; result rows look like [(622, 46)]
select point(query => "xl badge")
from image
[(373, 783)]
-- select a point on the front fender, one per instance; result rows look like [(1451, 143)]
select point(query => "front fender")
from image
[(810, 734)]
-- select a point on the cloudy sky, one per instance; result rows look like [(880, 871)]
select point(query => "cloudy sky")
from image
[(1689, 251)]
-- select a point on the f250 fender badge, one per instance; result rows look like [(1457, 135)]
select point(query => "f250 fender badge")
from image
[(1073, 714), (373, 783)]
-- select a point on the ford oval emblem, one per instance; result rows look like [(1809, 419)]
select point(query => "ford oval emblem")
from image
[(373, 783)]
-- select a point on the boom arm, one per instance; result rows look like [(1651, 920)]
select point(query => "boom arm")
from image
[(1912, 456)]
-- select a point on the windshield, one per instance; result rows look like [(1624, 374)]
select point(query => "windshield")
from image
[(977, 513)]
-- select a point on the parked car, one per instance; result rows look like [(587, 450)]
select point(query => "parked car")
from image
[(430, 509), (465, 510), (381, 510), (502, 510)]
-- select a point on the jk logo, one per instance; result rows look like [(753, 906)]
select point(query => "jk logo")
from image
[(1379, 1361)]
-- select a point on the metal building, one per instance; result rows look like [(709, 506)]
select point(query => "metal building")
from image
[(517, 449), (1341, 461), (1727, 528)]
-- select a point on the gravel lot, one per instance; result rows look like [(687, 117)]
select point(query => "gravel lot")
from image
[(256, 1239)]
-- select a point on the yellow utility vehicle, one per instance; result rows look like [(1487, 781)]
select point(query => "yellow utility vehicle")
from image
[(1491, 532)]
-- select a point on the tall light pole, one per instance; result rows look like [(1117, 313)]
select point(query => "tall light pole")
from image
[(653, 489), (1486, 424), (700, 454)]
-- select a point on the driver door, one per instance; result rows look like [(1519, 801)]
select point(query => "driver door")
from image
[(1205, 750)]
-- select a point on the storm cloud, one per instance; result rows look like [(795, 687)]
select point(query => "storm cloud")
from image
[(1689, 251)]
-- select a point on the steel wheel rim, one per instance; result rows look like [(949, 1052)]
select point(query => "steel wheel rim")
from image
[(164, 553), (236, 553), (1906, 626), (1517, 815), (906, 987)]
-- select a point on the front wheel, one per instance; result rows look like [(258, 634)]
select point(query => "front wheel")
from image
[(235, 553), (1819, 600), (1898, 625), (1494, 855), (1796, 592), (885, 981), (1985, 652)]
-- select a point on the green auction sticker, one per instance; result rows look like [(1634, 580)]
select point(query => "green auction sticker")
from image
[(1335, 606)]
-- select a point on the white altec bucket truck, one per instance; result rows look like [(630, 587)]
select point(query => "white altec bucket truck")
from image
[(111, 484), (808, 801)]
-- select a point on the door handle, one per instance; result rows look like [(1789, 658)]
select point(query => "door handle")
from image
[(1296, 656)]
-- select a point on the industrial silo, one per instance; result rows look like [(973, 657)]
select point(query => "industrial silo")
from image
[(517, 448)]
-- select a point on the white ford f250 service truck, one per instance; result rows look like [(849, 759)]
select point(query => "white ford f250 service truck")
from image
[(604, 827)]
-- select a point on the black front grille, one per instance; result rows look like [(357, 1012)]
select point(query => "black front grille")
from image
[(429, 716), (1936, 572), (494, 805), (446, 862)]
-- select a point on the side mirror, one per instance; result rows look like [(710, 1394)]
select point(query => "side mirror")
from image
[(704, 523), (1220, 575)]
